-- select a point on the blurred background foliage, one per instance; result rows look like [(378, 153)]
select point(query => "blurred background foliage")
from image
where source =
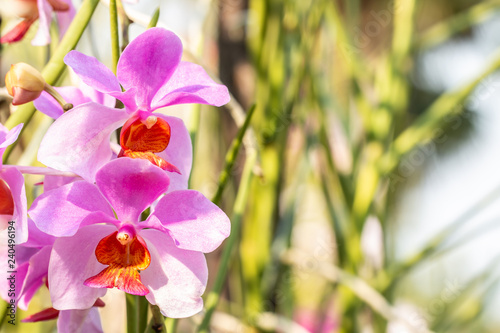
[(364, 196)]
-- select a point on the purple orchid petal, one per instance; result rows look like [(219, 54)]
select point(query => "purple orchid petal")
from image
[(79, 140), (193, 221), (15, 181), (37, 238), (190, 84), (179, 153), (42, 36), (148, 62), (97, 96), (176, 278), (76, 96), (7, 138), (62, 211), (131, 186), (52, 182), (92, 72), (33, 170), (19, 276), (79, 321), (49, 106), (72, 262), (65, 18), (37, 270), (128, 100)]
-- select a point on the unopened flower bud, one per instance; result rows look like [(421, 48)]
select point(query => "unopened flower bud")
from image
[(24, 83)]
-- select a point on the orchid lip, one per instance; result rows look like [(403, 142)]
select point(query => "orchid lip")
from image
[(126, 254), (142, 138)]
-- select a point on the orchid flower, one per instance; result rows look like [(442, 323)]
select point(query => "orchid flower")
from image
[(13, 204), (31, 10), (102, 242), (153, 76), (32, 263)]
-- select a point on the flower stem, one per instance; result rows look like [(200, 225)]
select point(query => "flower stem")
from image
[(156, 324), (54, 68), (52, 92), (115, 45), (239, 209), (137, 313)]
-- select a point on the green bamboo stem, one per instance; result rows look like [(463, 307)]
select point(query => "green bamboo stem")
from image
[(115, 40), (443, 30), (403, 268), (426, 127), (231, 156), (404, 22), (231, 243), (423, 129), (54, 68)]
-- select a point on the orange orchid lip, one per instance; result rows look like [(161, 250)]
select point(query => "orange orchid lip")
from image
[(152, 134), (143, 138), (126, 254), (151, 157)]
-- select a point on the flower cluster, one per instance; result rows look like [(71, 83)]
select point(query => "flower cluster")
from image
[(114, 215)]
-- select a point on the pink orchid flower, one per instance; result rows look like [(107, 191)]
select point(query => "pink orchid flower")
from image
[(103, 243), (32, 263), (13, 204), (31, 10), (153, 76)]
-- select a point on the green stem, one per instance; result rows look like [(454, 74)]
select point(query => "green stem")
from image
[(231, 156), (52, 92), (239, 208), (154, 18), (137, 313), (156, 324), (132, 324), (3, 313), (55, 66), (193, 126), (401, 269), (115, 44), (426, 127), (444, 30), (171, 324)]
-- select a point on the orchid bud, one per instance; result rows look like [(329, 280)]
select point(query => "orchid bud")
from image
[(24, 83)]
